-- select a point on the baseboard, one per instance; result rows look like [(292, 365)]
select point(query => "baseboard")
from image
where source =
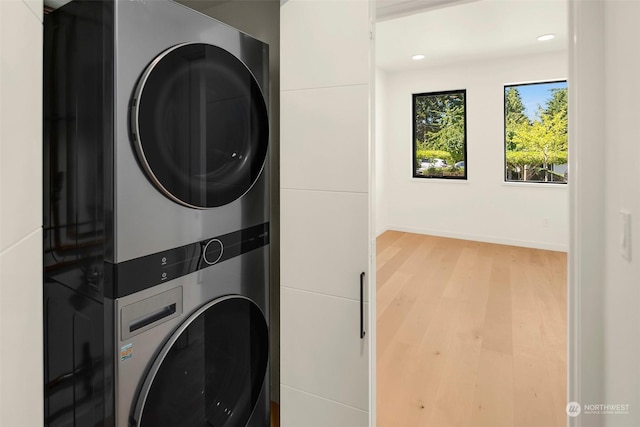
[(480, 238), (381, 230)]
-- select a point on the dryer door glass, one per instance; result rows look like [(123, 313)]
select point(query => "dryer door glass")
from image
[(210, 373), (200, 126)]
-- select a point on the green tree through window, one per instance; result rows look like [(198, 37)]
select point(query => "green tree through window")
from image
[(536, 132), (439, 128)]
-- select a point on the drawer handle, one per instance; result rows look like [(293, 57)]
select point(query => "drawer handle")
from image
[(362, 332), (152, 317)]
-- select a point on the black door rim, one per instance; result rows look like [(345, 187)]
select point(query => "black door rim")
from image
[(135, 128), (151, 373)]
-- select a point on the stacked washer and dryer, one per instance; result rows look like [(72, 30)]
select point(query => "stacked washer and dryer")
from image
[(156, 214)]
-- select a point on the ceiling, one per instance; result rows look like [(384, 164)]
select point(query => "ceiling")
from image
[(201, 5), (194, 4), (390, 9), (460, 31)]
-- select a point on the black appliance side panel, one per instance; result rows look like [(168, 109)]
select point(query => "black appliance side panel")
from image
[(74, 361), (78, 144), (78, 212)]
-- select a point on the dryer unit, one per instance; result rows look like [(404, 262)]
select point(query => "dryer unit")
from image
[(156, 213)]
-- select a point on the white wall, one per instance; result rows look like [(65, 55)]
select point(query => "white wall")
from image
[(21, 213), (604, 293), (380, 176), (484, 207), (622, 189)]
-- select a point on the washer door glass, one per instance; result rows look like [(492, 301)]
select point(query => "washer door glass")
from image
[(200, 125), (211, 372)]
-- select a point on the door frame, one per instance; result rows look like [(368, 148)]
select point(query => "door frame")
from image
[(372, 288), (586, 209), (586, 268)]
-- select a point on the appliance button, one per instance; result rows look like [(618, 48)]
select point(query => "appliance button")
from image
[(212, 251)]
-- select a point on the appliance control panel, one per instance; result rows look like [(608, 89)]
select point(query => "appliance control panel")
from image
[(213, 251), (141, 273)]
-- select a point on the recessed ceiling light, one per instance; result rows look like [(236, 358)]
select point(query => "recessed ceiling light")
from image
[(417, 57), (546, 37)]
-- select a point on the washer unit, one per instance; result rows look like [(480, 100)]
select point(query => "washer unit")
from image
[(156, 214), (185, 363)]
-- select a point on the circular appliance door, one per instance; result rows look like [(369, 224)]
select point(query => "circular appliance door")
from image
[(211, 371), (200, 126)]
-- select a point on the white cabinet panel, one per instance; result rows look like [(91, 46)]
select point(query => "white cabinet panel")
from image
[(324, 206), (320, 349), (324, 139), (324, 43), (20, 122), (21, 331), (324, 241), (310, 411), (37, 7)]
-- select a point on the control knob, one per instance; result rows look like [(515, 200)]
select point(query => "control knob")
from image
[(212, 251)]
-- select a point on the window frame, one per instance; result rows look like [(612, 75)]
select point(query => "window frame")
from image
[(414, 159), (504, 131)]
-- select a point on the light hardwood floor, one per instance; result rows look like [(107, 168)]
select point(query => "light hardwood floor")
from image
[(469, 334)]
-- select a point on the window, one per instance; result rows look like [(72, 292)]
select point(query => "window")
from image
[(440, 135), (535, 132)]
